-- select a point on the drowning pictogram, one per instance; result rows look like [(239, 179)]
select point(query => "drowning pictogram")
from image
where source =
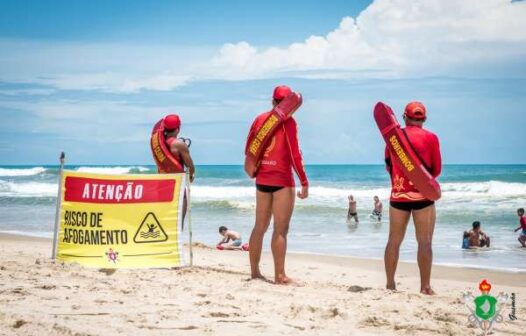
[(150, 230)]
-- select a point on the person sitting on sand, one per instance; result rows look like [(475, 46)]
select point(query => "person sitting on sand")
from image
[(522, 221), (231, 239), (378, 208), (477, 238), (351, 213)]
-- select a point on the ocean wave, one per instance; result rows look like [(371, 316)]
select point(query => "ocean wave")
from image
[(322, 199), (243, 197), (223, 204), (21, 171), (113, 170), (484, 189), (222, 193), (28, 189)]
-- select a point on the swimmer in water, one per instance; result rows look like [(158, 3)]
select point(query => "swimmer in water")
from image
[(352, 213)]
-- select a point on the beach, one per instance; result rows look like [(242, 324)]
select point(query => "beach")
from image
[(340, 296)]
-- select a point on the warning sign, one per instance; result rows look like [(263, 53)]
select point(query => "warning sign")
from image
[(150, 230), (121, 221)]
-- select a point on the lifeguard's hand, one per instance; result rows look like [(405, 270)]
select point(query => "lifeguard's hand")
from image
[(304, 192)]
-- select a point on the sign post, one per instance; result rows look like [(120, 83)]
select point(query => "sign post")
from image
[(188, 182), (59, 200)]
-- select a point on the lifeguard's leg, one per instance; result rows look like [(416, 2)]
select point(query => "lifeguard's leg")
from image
[(398, 220), (282, 207), (263, 215), (424, 227)]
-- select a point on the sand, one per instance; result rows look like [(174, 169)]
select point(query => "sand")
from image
[(341, 296)]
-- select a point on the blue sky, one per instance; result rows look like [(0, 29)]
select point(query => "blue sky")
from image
[(91, 78)]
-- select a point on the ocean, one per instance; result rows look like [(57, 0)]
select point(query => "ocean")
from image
[(223, 195)]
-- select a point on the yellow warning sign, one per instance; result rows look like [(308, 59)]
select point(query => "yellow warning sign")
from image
[(150, 230), (121, 221)]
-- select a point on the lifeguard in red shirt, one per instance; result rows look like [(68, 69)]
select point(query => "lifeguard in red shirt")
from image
[(170, 153), (276, 189), (406, 200)]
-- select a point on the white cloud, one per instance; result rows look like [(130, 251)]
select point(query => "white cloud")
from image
[(27, 92), (116, 82), (105, 67), (395, 38), (389, 39)]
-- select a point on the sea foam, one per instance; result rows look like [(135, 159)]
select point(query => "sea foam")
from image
[(28, 189), (21, 171), (113, 170)]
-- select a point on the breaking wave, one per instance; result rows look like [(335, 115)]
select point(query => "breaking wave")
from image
[(21, 171)]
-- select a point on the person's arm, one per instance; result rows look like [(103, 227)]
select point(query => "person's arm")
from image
[(517, 229), (436, 157), (184, 152), (291, 134), (381, 207)]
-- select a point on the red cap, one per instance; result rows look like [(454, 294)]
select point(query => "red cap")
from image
[(415, 110), (281, 92), (171, 122)]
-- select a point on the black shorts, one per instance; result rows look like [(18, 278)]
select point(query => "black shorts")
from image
[(268, 189), (409, 206)]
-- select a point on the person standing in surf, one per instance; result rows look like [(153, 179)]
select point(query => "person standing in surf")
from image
[(522, 227), (406, 201), (352, 212), (378, 209), (275, 190)]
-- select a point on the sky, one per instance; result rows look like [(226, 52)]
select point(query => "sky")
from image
[(92, 77)]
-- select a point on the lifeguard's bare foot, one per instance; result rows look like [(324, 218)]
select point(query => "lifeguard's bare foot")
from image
[(258, 276), (391, 286), (427, 291), (285, 280)]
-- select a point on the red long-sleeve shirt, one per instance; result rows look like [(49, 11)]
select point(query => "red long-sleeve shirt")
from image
[(427, 146), (281, 155)]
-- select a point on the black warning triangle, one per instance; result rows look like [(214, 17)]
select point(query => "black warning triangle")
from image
[(150, 230)]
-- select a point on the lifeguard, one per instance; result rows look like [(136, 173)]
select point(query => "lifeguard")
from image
[(171, 154), (272, 151)]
